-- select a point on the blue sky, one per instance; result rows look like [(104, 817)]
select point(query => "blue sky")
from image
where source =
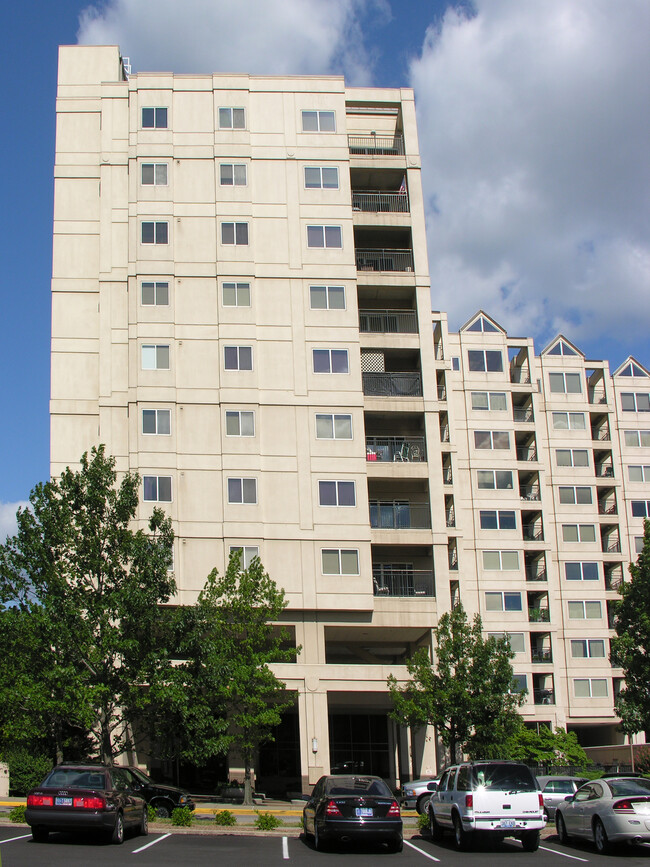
[(533, 121)]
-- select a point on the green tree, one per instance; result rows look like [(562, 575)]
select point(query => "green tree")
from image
[(544, 747), (466, 692), (631, 648), (81, 591)]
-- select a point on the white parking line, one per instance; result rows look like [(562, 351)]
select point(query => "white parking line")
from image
[(421, 851), (153, 843), (11, 839), (285, 848), (564, 854)]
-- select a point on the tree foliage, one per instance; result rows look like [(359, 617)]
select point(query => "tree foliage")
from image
[(465, 692), (631, 647), (81, 591), (544, 747)]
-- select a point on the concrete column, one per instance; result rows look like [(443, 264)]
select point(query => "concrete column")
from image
[(314, 723)]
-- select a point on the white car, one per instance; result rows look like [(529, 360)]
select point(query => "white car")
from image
[(498, 798), (416, 794)]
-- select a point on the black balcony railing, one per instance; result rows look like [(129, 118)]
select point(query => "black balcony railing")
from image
[(544, 696), (532, 533), (530, 492), (611, 547), (376, 202), (376, 145), (395, 449), (613, 580), (450, 518), (601, 434), (389, 581), (527, 453), (388, 322), (536, 573), (523, 413), (447, 476), (541, 654), (380, 259), (539, 615), (402, 384), (399, 516), (605, 472), (607, 509)]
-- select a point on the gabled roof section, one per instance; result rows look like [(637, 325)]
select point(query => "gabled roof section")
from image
[(483, 323), (631, 367), (562, 346)]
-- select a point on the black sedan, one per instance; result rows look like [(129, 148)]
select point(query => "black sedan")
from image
[(89, 798), (164, 799), (353, 807)]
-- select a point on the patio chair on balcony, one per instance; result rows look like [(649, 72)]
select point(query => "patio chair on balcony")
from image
[(401, 453)]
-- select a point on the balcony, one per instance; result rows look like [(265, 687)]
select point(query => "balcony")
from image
[(388, 322), (606, 508), (605, 472), (530, 493), (404, 515), (376, 145), (384, 259), (536, 573), (442, 392), (523, 414), (541, 654), (527, 453), (544, 696), (391, 581), (379, 202), (450, 518), (402, 384), (447, 476), (395, 448), (539, 615), (597, 395), (611, 547), (532, 533), (613, 579), (520, 375)]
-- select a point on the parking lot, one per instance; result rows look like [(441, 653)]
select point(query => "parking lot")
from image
[(195, 849)]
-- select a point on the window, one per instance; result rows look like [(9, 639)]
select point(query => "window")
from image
[(572, 457), (590, 687), (234, 233), (635, 402), (565, 383), (632, 369), (581, 571), (154, 174), (156, 421), (232, 174), (489, 400), (318, 121), (491, 439), (236, 294), (569, 421), (232, 118), (321, 178), (497, 520), (637, 438), (519, 683), (238, 357), (639, 473), (154, 118), (588, 648), (327, 297), (641, 508), (324, 236), (155, 356), (639, 542), (155, 294), (157, 489), (502, 560), (333, 427), (330, 360), (155, 233), (498, 601), (240, 423), (337, 494), (575, 496), (247, 554), (517, 640), (562, 348), (482, 324), (494, 479), (585, 610), (340, 561), (485, 359), (242, 491), (578, 533)]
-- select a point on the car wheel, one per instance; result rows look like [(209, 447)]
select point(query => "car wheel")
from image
[(396, 845), (423, 803), (530, 841), (40, 834), (163, 810), (461, 836), (561, 828), (600, 837), (546, 815), (435, 830), (118, 831), (144, 822)]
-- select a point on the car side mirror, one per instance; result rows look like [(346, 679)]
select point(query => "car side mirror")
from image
[(431, 787), (569, 797)]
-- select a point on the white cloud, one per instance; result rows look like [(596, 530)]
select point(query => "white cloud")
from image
[(534, 129), (8, 525), (280, 38)]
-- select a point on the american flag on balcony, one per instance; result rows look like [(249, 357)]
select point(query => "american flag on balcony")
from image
[(402, 188)]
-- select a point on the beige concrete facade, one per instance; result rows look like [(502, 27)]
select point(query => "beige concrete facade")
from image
[(241, 312)]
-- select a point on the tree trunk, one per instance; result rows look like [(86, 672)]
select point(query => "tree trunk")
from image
[(105, 734), (248, 788)]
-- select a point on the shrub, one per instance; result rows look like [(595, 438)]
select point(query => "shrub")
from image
[(225, 817), (151, 813), (642, 761), (18, 813), (182, 816), (423, 822), (267, 821), (25, 769)]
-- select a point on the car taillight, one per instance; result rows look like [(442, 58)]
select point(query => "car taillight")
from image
[(90, 803), (393, 810), (623, 806), (39, 801), (541, 799), (332, 810), (469, 802)]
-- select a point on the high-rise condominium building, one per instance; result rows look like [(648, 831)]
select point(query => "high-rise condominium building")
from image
[(242, 313)]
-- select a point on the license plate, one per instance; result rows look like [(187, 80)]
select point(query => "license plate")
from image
[(63, 802), (507, 823), (363, 812)]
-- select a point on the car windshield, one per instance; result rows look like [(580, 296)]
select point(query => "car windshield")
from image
[(75, 778), (503, 778), (357, 786), (629, 787), (140, 775)]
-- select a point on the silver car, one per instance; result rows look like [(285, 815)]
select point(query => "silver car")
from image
[(607, 811), (555, 789), (417, 793)]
